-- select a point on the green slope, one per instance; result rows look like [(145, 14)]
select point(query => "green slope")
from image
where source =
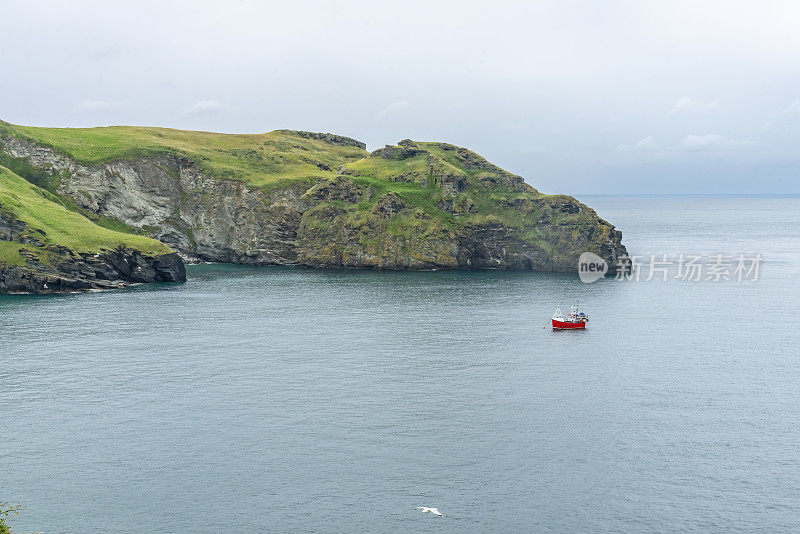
[(261, 160), (447, 182), (47, 222), (416, 198)]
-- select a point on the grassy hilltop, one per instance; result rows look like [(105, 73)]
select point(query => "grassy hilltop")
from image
[(260, 160)]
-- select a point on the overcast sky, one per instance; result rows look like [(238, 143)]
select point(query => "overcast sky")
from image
[(577, 97)]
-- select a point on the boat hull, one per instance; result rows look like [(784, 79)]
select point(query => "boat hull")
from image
[(562, 325)]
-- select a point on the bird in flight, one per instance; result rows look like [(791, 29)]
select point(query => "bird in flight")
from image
[(425, 509)]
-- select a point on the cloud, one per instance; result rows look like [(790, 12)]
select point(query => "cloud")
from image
[(391, 108), (204, 107), (794, 108), (690, 143), (708, 141), (648, 143), (783, 121), (93, 105), (690, 106)]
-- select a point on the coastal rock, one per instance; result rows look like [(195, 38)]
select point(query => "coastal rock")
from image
[(333, 139), (340, 188), (46, 248), (69, 271), (397, 152), (388, 206), (411, 206)]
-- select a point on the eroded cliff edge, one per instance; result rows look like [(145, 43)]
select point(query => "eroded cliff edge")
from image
[(315, 200), (45, 248)]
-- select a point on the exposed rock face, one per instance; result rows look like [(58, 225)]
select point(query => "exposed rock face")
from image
[(12, 229), (329, 138), (45, 248), (66, 270), (393, 235), (82, 272), (341, 222), (203, 218), (405, 150), (340, 189)]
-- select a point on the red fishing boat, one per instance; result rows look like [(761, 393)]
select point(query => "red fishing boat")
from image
[(575, 320)]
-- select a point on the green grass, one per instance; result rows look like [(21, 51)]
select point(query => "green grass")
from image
[(415, 195), (406, 176), (261, 160), (9, 253), (390, 169), (40, 211)]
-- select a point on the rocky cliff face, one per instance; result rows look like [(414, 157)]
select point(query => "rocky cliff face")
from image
[(412, 206), (47, 248), (51, 268), (82, 272), (203, 218)]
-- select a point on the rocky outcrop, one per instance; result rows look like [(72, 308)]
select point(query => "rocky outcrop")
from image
[(12, 229), (340, 189), (406, 149), (390, 235), (333, 139), (345, 221), (33, 260), (393, 235), (67, 270)]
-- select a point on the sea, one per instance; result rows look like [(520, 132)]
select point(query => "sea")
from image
[(274, 399)]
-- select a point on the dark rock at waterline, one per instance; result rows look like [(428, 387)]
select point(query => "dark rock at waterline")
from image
[(69, 271)]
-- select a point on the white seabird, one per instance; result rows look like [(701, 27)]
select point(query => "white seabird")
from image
[(425, 509)]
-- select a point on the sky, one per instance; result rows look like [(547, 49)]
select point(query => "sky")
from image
[(578, 97)]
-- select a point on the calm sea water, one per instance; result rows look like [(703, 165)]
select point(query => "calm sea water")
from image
[(291, 400)]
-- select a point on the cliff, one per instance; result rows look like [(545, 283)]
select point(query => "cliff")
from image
[(302, 198), (45, 248)]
